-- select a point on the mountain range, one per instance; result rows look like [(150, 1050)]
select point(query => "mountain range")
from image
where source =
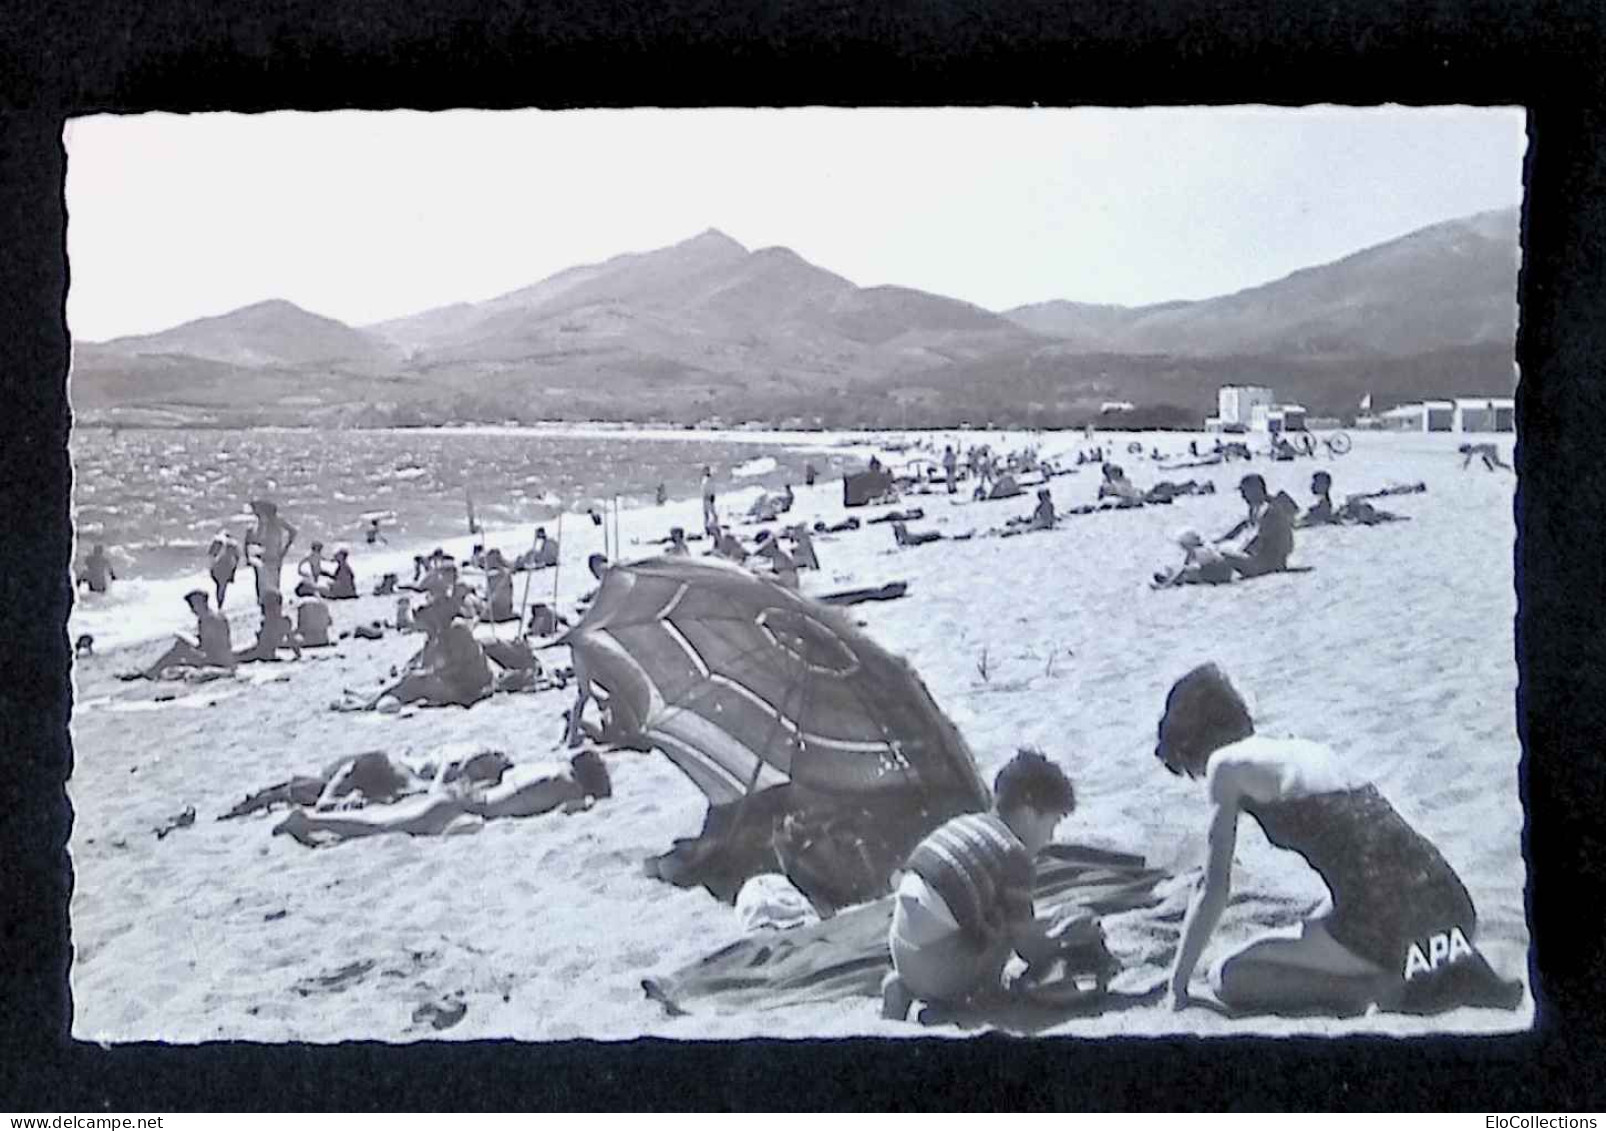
[(707, 328)]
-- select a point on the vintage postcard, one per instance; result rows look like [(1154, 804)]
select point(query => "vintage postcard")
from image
[(797, 573)]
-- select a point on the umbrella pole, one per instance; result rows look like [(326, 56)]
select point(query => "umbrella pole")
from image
[(557, 565), (524, 603)]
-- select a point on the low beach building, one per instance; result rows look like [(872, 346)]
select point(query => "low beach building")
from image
[(1275, 418), (1421, 416), (1485, 414), (1235, 407)]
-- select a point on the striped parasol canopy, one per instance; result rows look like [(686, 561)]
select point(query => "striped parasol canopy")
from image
[(746, 685)]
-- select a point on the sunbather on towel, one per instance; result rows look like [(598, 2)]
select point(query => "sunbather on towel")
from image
[(462, 807), (1402, 927), (964, 902)]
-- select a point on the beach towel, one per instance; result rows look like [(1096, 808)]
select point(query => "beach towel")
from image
[(846, 956), (888, 592)]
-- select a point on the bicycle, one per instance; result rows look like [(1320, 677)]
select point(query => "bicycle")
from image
[(1337, 443)]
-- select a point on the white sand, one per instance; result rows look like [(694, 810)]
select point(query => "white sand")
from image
[(1398, 651)]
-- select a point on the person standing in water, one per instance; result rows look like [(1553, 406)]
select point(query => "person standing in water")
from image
[(1402, 928), (97, 572), (273, 537), (372, 533), (710, 514)]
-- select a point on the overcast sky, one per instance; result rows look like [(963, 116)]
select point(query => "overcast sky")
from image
[(368, 216)]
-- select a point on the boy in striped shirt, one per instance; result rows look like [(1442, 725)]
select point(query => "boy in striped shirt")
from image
[(964, 903)]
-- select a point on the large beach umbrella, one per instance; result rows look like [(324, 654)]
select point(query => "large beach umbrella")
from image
[(745, 685)]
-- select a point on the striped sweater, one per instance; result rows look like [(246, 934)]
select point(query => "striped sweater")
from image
[(980, 869)]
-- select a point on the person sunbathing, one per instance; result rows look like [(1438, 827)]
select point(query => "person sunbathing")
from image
[(211, 648), (677, 543), (842, 527), (311, 572), (784, 566), (963, 901), (1273, 521), (313, 623), (462, 806), (902, 535), (1321, 512), (97, 573), (1043, 517), (1488, 453), (1202, 564), (499, 597), (274, 634), (541, 555), (803, 547), (451, 668), (1165, 490), (544, 621), (1118, 487), (727, 545), (1402, 928), (340, 583)]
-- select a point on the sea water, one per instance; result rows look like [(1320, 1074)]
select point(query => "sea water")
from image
[(157, 497)]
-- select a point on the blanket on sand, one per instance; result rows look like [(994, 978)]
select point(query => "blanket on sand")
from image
[(846, 956)]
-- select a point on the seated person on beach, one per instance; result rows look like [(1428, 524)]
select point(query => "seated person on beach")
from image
[(544, 622), (1202, 564), (963, 903), (211, 649), (341, 583), (727, 545), (677, 543), (1402, 929), (541, 555), (311, 571), (1043, 517), (97, 572), (1321, 512), (1273, 517), (785, 567), (499, 597), (313, 623), (274, 633), (903, 537), (1118, 487), (450, 669), (1281, 449), (462, 805), (804, 547), (1488, 453)]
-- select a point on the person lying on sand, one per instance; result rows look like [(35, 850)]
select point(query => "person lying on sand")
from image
[(1165, 490), (1488, 453), (211, 649), (902, 535), (1402, 927), (836, 528), (1201, 564), (1355, 509), (273, 634), (913, 514), (461, 807), (340, 583), (1269, 549), (963, 902), (97, 574)]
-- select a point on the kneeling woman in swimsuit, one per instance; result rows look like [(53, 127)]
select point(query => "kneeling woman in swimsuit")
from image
[(1401, 929)]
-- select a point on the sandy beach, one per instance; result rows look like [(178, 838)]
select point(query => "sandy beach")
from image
[(1396, 650)]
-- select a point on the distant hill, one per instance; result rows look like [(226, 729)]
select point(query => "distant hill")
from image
[(706, 328), (273, 333), (1448, 285)]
